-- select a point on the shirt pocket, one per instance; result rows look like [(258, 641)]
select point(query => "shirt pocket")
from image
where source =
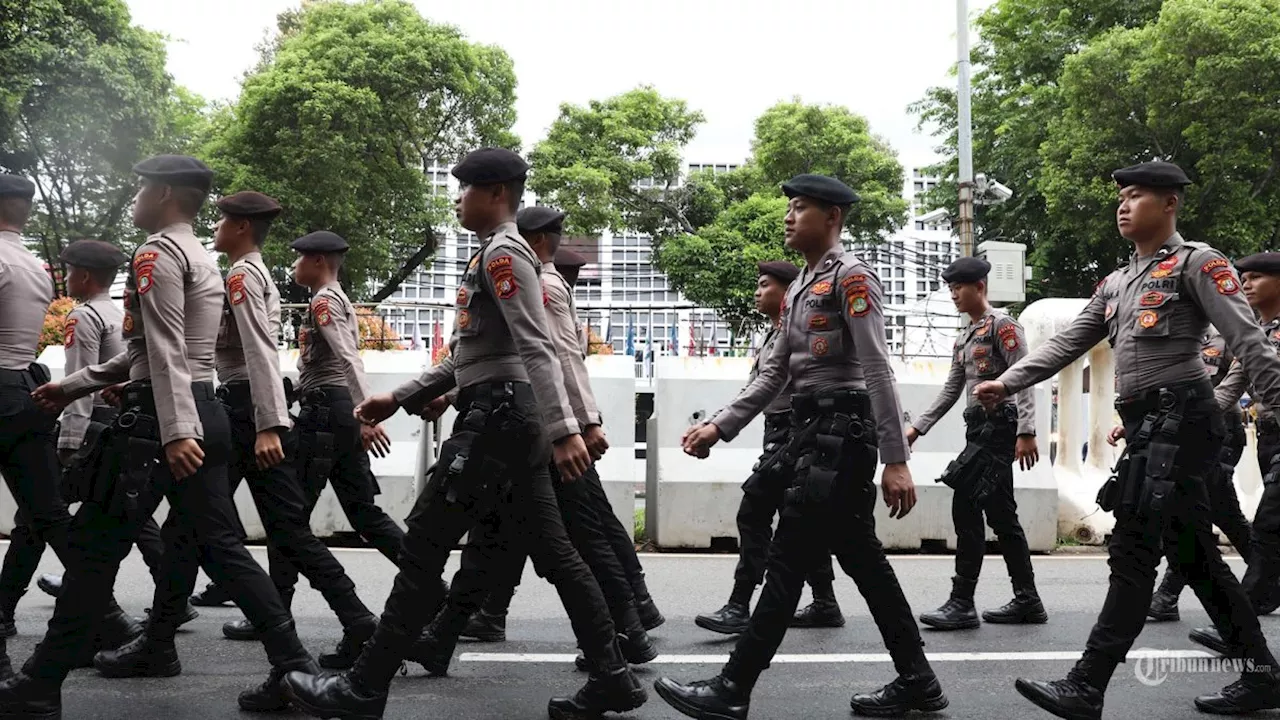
[(982, 355), (1154, 314), (824, 334), (467, 323)]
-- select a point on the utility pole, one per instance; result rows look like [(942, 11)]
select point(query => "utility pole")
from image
[(964, 129)]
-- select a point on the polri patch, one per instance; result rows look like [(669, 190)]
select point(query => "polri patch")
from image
[(1148, 318)]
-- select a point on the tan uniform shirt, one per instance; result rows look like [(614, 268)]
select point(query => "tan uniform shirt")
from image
[(25, 293), (1237, 380), (500, 334), (329, 343), (247, 349), (1155, 312), (833, 338), (986, 348), (570, 342), (92, 336), (172, 305)]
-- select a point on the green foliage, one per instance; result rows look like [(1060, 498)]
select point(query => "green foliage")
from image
[(346, 111)]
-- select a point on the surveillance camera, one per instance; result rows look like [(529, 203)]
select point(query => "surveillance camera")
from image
[(934, 216), (999, 190)]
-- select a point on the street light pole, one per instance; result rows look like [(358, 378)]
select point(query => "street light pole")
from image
[(964, 129)]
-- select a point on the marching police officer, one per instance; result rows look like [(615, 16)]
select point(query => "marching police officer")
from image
[(28, 457), (588, 517), (762, 493), (982, 476), (1224, 504), (92, 335), (492, 470), (1154, 311), (844, 406), (170, 441)]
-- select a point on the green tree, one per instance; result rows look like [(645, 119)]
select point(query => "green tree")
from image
[(85, 97), (343, 117)]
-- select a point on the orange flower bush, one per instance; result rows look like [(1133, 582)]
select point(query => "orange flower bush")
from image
[(55, 323), (596, 344), (375, 333)]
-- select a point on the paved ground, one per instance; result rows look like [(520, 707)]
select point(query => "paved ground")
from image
[(823, 666)]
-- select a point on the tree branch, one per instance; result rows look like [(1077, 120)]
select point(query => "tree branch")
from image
[(409, 266)]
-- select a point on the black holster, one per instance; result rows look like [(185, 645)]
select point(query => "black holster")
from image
[(977, 469), (1147, 483), (477, 462), (775, 460), (79, 472), (820, 446), (315, 446), (137, 436)]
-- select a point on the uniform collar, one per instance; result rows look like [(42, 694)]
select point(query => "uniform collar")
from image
[(828, 259), (335, 285), (253, 256), (11, 236), (179, 228), (104, 296), (1169, 247)]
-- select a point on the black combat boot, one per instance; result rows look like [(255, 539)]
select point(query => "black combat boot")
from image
[(915, 688), (8, 606), (718, 697), (146, 656), (359, 693), (1254, 691), (29, 697), (611, 687), (1164, 603), (211, 596), (50, 584), (732, 619), (1076, 697), (1212, 639), (433, 649), (354, 636), (188, 614), (823, 612), (115, 630), (286, 653), (957, 613), (637, 646), (244, 630), (1024, 609), (485, 627), (650, 616)]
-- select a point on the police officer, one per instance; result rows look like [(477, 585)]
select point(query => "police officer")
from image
[(1224, 504), (492, 471), (1154, 311), (1261, 284), (28, 457), (92, 335), (171, 441), (844, 405), (588, 517), (762, 493), (982, 476)]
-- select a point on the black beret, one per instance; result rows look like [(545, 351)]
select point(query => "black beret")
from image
[(1152, 174), (178, 170), (966, 270), (16, 186), (820, 187), (538, 219), (780, 269), (1266, 262), (93, 254), (568, 258), (321, 241), (490, 166), (249, 204)]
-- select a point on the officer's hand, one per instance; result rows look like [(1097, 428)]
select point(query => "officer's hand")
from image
[(114, 394), (697, 440), (375, 440), (185, 456), (596, 442), (899, 491), (912, 434), (376, 408), (268, 450), (571, 457), (990, 393), (50, 397), (1027, 451), (1114, 436), (436, 408)]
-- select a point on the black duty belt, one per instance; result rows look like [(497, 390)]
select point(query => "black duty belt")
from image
[(236, 392), (494, 394), (1186, 394), (324, 394), (777, 421), (140, 396), (20, 378), (805, 406)]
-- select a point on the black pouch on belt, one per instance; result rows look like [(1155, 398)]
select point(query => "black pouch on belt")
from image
[(79, 472), (141, 454)]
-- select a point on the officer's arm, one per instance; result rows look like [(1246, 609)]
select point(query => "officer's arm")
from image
[(864, 317), (248, 301), (89, 380), (568, 342), (1087, 330), (752, 400), (513, 283), (951, 391), (330, 314), (162, 301), (1228, 392), (80, 345), (1213, 283), (416, 393), (1013, 347)]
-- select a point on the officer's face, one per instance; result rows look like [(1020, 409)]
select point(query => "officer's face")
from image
[(1261, 288), (807, 223), (76, 281), (229, 234), (477, 205), (966, 296), (303, 271), (769, 294), (1143, 212), (147, 204)]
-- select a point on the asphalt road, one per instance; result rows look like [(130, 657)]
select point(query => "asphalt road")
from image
[(813, 677)]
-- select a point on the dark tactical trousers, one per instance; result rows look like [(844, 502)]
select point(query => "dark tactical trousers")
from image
[(527, 512), (1263, 571), (814, 523), (285, 510), (762, 499), (1224, 503), (592, 527), (999, 507), (103, 531), (26, 547), (330, 452), (1181, 527)]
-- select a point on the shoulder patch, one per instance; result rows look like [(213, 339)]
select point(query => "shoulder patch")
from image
[(503, 276), (69, 332), (1213, 265), (235, 288), (320, 309), (1226, 283)]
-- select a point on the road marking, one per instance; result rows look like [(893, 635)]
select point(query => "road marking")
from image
[(664, 659)]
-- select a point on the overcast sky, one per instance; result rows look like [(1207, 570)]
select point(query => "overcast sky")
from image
[(731, 59)]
